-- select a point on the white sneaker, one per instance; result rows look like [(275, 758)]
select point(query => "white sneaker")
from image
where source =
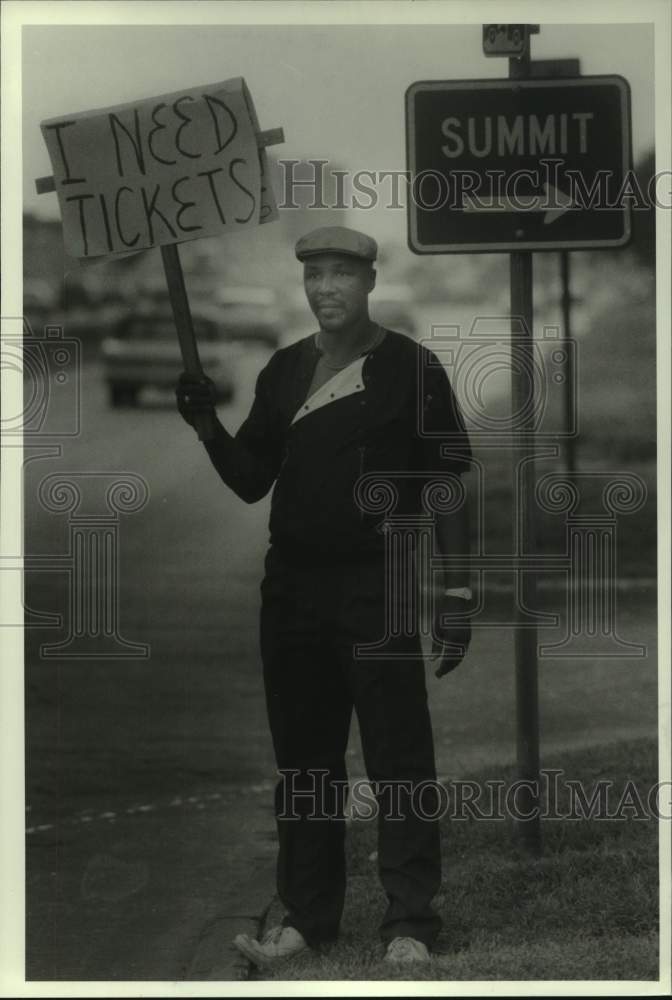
[(404, 950), (279, 942)]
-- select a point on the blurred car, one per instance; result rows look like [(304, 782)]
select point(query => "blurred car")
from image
[(143, 350), (40, 302), (392, 307), (249, 314)]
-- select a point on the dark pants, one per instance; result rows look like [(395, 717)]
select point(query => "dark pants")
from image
[(311, 618)]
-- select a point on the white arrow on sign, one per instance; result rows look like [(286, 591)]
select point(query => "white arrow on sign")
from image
[(553, 201)]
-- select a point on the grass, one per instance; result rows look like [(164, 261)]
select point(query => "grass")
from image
[(616, 425), (635, 532), (585, 910)]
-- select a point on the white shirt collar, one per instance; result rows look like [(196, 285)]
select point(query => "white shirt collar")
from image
[(344, 383)]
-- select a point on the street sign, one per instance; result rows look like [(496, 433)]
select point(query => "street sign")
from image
[(507, 39), (506, 165)]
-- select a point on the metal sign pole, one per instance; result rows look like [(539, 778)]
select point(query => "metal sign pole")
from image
[(569, 371), (522, 391), (559, 69), (487, 130)]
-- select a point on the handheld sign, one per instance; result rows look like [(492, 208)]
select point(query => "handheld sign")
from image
[(159, 171), (517, 164)]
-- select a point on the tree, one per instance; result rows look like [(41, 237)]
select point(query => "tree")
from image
[(644, 218)]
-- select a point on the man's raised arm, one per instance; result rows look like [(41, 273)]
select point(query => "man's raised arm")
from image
[(249, 461)]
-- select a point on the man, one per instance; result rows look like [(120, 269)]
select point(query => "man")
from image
[(350, 401)]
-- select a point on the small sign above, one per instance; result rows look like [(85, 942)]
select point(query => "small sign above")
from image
[(507, 39)]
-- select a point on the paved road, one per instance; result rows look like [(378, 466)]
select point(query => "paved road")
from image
[(149, 779)]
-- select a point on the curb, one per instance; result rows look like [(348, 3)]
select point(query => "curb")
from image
[(244, 907), (624, 584)]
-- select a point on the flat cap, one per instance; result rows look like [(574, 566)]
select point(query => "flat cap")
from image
[(336, 239)]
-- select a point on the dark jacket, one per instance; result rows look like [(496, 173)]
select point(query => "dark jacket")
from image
[(405, 426)]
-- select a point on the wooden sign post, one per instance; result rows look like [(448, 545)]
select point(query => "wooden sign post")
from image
[(179, 301)]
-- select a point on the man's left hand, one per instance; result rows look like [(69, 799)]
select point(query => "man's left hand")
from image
[(452, 634)]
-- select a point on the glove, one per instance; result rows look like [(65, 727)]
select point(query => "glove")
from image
[(452, 635), (196, 396)]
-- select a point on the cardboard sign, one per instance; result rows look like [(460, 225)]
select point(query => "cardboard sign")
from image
[(163, 170)]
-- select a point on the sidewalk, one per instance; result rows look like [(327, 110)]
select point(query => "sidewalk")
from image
[(155, 893)]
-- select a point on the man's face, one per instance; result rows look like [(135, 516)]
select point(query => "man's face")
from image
[(337, 288)]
